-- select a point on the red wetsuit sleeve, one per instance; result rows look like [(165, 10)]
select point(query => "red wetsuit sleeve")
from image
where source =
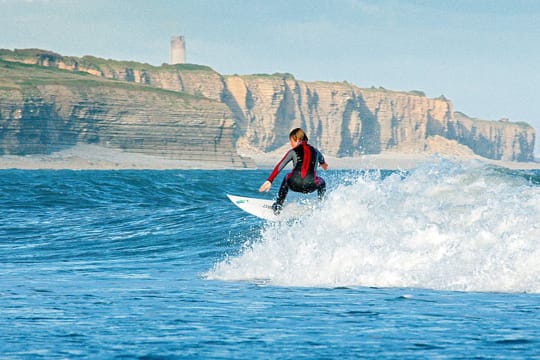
[(281, 164)]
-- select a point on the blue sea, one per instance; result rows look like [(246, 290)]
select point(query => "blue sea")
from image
[(438, 262)]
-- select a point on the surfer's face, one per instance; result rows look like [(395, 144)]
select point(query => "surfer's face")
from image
[(293, 142)]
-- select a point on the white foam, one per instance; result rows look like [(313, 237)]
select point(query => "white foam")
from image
[(444, 226)]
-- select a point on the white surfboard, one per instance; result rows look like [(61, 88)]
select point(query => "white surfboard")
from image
[(262, 208)]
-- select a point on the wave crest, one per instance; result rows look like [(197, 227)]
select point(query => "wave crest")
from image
[(444, 225)]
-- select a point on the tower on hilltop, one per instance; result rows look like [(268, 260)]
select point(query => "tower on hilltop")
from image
[(178, 50)]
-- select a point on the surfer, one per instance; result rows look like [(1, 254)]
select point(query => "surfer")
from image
[(303, 177)]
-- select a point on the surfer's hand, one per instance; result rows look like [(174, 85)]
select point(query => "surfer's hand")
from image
[(324, 166), (266, 186)]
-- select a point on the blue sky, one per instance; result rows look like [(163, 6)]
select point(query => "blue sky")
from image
[(483, 55)]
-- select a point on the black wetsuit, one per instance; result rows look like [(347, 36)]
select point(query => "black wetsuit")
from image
[(303, 178)]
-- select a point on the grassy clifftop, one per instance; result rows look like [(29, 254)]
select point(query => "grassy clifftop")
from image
[(503, 122), (25, 77), (45, 57), (197, 80)]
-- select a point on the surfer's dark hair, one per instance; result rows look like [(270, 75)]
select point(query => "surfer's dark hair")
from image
[(298, 134)]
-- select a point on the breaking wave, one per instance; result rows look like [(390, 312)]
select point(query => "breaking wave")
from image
[(444, 225)]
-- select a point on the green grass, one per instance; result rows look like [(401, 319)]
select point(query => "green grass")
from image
[(417, 93), (521, 124), (96, 63), (281, 76), (189, 67), (22, 54), (25, 78)]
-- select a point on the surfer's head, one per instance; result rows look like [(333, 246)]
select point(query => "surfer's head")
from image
[(298, 135)]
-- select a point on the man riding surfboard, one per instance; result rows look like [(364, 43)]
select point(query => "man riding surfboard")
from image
[(303, 177)]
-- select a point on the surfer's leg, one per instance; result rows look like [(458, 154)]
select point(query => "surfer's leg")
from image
[(282, 194), (321, 187)]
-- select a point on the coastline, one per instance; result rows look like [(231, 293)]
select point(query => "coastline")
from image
[(93, 157), (395, 161)]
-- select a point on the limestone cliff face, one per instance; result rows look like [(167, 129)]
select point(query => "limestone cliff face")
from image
[(192, 79), (344, 120), (499, 140), (39, 116), (340, 118)]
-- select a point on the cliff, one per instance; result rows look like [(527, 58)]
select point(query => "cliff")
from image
[(44, 110), (340, 118), (345, 120)]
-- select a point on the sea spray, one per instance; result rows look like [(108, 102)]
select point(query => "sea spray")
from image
[(444, 225)]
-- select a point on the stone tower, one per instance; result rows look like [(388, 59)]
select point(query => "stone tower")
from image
[(178, 50)]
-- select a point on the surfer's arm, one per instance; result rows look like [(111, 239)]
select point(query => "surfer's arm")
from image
[(322, 161), (279, 166)]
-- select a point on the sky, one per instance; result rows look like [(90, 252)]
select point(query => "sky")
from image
[(483, 55)]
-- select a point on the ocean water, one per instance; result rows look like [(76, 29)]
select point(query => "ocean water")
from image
[(439, 262)]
